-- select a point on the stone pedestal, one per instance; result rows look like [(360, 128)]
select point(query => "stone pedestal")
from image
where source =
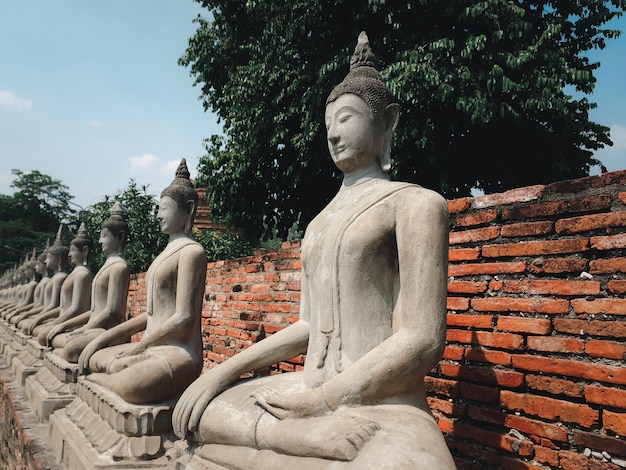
[(15, 347), (99, 430), (52, 387), (29, 361)]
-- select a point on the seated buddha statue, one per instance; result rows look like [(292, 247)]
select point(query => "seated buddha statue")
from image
[(75, 296), (372, 320), (169, 355), (56, 260), (108, 293)]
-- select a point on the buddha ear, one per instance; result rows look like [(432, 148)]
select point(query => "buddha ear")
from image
[(392, 116), (190, 208)]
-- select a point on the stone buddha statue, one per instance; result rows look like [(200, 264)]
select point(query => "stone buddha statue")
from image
[(372, 321), (169, 356), (75, 296), (108, 293), (56, 259), (42, 274), (21, 295)]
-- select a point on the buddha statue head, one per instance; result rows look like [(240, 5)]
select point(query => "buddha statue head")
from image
[(116, 226), (364, 80), (80, 246), (182, 192), (57, 253)]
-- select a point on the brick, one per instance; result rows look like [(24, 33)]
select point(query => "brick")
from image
[(590, 222), (598, 442), (488, 356), (609, 242), (475, 218), (617, 287), (536, 427), (550, 408), (606, 396), (463, 254), (518, 195), (571, 368), (453, 353), (607, 266), (486, 415), (480, 393), (525, 229), (547, 456), (554, 385), (613, 329), (457, 304), (622, 197), (439, 386), (485, 375), (557, 265), (509, 463), (515, 304), (607, 306), (486, 268), (574, 461), (615, 422), (552, 208), (467, 287), (477, 452), (555, 344), (606, 349), (485, 338), (470, 321), (446, 407), (535, 248), (474, 235), (524, 325), (459, 205), (553, 287)]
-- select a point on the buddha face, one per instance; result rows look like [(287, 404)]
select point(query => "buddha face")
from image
[(109, 242), (354, 137), (171, 216), (75, 255), (52, 261)]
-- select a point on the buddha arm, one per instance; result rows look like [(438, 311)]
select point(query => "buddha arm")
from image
[(398, 364), (117, 293)]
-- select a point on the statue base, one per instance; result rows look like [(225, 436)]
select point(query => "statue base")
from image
[(29, 361), (52, 387), (99, 430)]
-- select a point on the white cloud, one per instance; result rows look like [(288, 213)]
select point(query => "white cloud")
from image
[(10, 100), (142, 163), (93, 123), (169, 168)]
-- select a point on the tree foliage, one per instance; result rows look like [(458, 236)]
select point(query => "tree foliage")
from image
[(485, 87), (145, 239), (31, 215)]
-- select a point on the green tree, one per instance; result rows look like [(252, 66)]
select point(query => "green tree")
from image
[(145, 239), (484, 87), (31, 215)]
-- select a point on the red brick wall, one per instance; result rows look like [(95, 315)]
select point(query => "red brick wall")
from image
[(533, 373)]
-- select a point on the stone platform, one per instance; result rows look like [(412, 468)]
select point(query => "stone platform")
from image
[(52, 387), (29, 360), (99, 430)]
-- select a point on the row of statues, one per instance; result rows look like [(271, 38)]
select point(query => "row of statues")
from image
[(372, 316)]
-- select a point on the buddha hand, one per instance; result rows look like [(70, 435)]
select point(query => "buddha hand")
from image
[(282, 405)]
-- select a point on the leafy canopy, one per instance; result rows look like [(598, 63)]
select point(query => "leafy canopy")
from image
[(483, 86), (31, 215)]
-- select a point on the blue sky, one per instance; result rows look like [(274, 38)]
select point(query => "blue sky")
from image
[(91, 94)]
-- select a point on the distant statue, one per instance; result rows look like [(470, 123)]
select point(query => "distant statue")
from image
[(22, 294), (169, 356), (372, 320), (42, 273), (75, 290), (56, 259), (108, 293)]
